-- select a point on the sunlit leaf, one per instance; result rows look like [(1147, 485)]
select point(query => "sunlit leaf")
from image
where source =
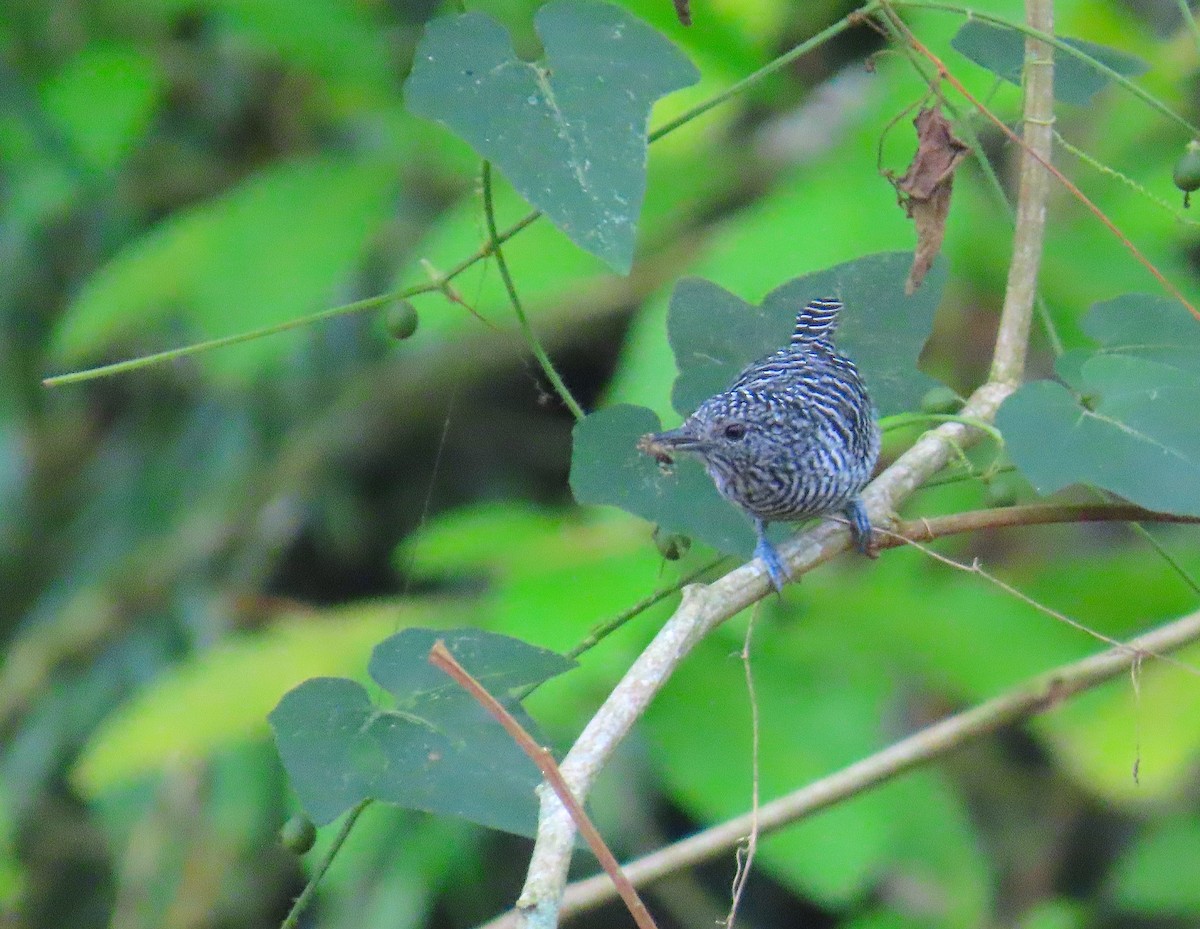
[(1059, 913), (103, 100), (569, 133), (1159, 873), (1131, 747), (274, 248), (815, 717), (221, 696)]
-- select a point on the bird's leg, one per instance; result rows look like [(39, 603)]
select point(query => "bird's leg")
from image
[(860, 526), (766, 551)]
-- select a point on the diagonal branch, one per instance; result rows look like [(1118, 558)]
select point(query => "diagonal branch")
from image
[(705, 607), (441, 658), (1029, 699)]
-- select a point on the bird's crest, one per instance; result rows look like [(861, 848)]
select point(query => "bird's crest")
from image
[(817, 320)]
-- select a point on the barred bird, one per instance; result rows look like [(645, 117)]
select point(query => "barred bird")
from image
[(794, 437)]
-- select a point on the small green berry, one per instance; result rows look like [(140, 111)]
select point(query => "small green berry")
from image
[(940, 400), (298, 834), (401, 321), (1187, 171), (671, 545)]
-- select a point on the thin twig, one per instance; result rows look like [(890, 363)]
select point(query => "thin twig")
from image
[(1032, 514), (440, 658), (1028, 699), (977, 569), (777, 64), (702, 609), (745, 853), (310, 889), (1044, 161), (1099, 166), (531, 339), (607, 628), (1066, 48)]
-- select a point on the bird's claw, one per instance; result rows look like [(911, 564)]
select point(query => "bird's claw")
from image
[(860, 528), (765, 551)]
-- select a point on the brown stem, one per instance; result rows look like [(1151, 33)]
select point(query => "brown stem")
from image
[(1022, 702), (440, 658), (704, 608), (1044, 161), (1034, 514)]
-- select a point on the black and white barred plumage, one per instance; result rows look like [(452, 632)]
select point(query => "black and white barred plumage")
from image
[(794, 436)]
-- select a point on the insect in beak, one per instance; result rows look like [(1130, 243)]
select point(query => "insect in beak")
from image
[(664, 445)]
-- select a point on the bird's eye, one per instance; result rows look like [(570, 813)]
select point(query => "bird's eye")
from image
[(735, 431)]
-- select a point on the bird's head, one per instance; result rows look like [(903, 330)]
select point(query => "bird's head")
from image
[(732, 431)]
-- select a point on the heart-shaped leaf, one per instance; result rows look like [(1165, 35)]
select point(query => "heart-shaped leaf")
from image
[(569, 132), (1002, 51), (1128, 422), (715, 334), (435, 750), (607, 468)]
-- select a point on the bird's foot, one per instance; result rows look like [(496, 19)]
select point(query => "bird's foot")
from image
[(860, 527), (765, 551)]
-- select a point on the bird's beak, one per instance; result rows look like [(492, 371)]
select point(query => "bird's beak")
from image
[(663, 445)]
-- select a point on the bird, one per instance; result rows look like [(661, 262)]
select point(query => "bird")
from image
[(794, 436)]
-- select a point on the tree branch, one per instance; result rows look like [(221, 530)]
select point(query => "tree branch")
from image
[(705, 607), (441, 658), (1012, 340), (1034, 514), (1027, 700)]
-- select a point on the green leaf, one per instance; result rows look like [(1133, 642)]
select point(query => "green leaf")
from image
[(1159, 875), (1058, 913), (1002, 51), (1141, 326), (221, 696), (883, 919), (1128, 423), (436, 750), (814, 719), (1102, 741), (607, 468), (103, 100), (715, 334), (570, 134), (342, 42)]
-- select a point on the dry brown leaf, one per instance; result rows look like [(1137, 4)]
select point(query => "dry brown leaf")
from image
[(925, 188)]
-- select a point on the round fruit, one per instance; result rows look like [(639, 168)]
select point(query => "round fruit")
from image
[(298, 834), (1187, 171), (401, 319)]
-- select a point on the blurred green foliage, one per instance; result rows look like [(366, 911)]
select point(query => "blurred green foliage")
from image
[(181, 545)]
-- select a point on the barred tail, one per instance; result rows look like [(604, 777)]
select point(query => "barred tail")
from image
[(817, 320)]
